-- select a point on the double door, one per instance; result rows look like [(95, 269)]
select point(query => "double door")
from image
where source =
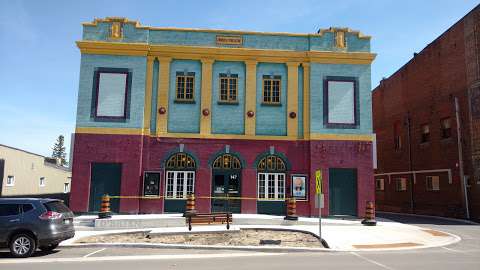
[(226, 191)]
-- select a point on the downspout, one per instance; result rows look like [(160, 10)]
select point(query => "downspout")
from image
[(410, 163), (460, 159)]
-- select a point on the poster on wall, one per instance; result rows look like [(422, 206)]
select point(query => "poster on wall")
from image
[(151, 184), (299, 186)]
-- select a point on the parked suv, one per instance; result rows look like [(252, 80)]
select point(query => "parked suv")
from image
[(28, 223)]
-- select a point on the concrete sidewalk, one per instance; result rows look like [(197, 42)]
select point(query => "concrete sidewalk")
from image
[(341, 235)]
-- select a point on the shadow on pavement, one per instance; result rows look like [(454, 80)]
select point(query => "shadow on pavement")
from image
[(411, 219)]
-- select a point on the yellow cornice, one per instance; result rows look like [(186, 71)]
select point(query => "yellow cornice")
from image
[(340, 137), (139, 131), (221, 31), (225, 54)]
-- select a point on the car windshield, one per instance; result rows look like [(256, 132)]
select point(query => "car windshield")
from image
[(56, 206)]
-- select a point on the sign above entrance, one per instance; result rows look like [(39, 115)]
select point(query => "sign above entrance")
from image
[(229, 40), (318, 181)]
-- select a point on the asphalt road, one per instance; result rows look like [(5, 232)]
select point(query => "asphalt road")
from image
[(463, 255)]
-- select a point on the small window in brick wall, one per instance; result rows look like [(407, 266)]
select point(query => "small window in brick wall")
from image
[(400, 184), (425, 133), (446, 128), (185, 86), (228, 88), (433, 183), (380, 184), (397, 138)]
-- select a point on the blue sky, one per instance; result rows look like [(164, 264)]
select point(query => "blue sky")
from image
[(39, 61)]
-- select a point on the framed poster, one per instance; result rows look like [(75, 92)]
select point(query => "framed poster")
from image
[(299, 186), (151, 184)]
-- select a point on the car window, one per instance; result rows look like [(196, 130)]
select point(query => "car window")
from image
[(56, 206), (27, 208), (9, 209)]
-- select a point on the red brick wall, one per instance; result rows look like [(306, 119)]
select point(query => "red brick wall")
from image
[(424, 89), (139, 154)]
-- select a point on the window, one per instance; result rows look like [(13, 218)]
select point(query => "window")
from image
[(185, 86), (42, 181), (271, 186), (9, 210), (227, 162), (433, 183), (401, 184), (111, 92), (10, 181), (446, 128), (425, 134), (340, 102), (228, 87), (180, 180), (271, 163), (271, 178), (271, 89), (397, 139), (379, 184), (66, 187), (27, 208), (151, 184), (179, 184)]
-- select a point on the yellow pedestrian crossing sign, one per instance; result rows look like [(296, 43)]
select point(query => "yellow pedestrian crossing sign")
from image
[(318, 181)]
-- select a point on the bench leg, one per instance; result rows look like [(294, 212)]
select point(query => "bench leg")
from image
[(190, 223)]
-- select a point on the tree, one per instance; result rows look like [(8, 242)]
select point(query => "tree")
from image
[(59, 150)]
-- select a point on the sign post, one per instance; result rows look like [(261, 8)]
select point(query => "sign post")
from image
[(318, 191)]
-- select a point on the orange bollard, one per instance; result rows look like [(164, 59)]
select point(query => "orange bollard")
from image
[(369, 215), (105, 207), (291, 209), (190, 206)]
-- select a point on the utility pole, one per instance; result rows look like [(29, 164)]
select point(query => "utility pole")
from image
[(410, 162), (463, 185)]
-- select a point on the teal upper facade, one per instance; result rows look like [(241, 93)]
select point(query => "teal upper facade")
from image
[(134, 33), (302, 82)]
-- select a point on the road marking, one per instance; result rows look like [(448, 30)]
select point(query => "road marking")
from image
[(455, 250), (139, 257), (95, 252), (371, 261)]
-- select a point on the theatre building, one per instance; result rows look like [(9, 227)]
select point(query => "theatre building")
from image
[(248, 116)]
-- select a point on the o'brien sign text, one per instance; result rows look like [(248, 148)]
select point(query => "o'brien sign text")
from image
[(229, 40)]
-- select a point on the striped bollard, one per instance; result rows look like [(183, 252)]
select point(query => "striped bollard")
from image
[(369, 215), (190, 206), (105, 207), (291, 209)]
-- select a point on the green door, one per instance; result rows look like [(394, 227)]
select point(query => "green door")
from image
[(226, 183), (342, 192), (105, 179)]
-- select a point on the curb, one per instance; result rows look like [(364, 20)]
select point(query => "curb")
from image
[(204, 247), (435, 217)]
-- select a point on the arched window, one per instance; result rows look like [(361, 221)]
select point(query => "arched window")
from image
[(271, 178), (271, 163), (227, 162), (180, 180)]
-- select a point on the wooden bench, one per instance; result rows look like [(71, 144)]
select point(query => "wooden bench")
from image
[(207, 219)]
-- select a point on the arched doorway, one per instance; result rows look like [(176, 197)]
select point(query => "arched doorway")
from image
[(271, 179), (226, 173), (179, 181)]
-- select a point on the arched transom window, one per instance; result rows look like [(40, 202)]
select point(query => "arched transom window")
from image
[(271, 178), (271, 163), (180, 179), (181, 161), (227, 162)]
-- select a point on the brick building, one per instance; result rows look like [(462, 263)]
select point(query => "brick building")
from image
[(415, 115), (165, 112)]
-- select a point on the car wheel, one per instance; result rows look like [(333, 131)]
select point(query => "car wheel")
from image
[(49, 247), (22, 245)]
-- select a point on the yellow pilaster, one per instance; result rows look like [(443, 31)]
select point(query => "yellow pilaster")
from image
[(206, 100), (250, 96), (147, 107), (162, 93), (292, 99), (306, 100)]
